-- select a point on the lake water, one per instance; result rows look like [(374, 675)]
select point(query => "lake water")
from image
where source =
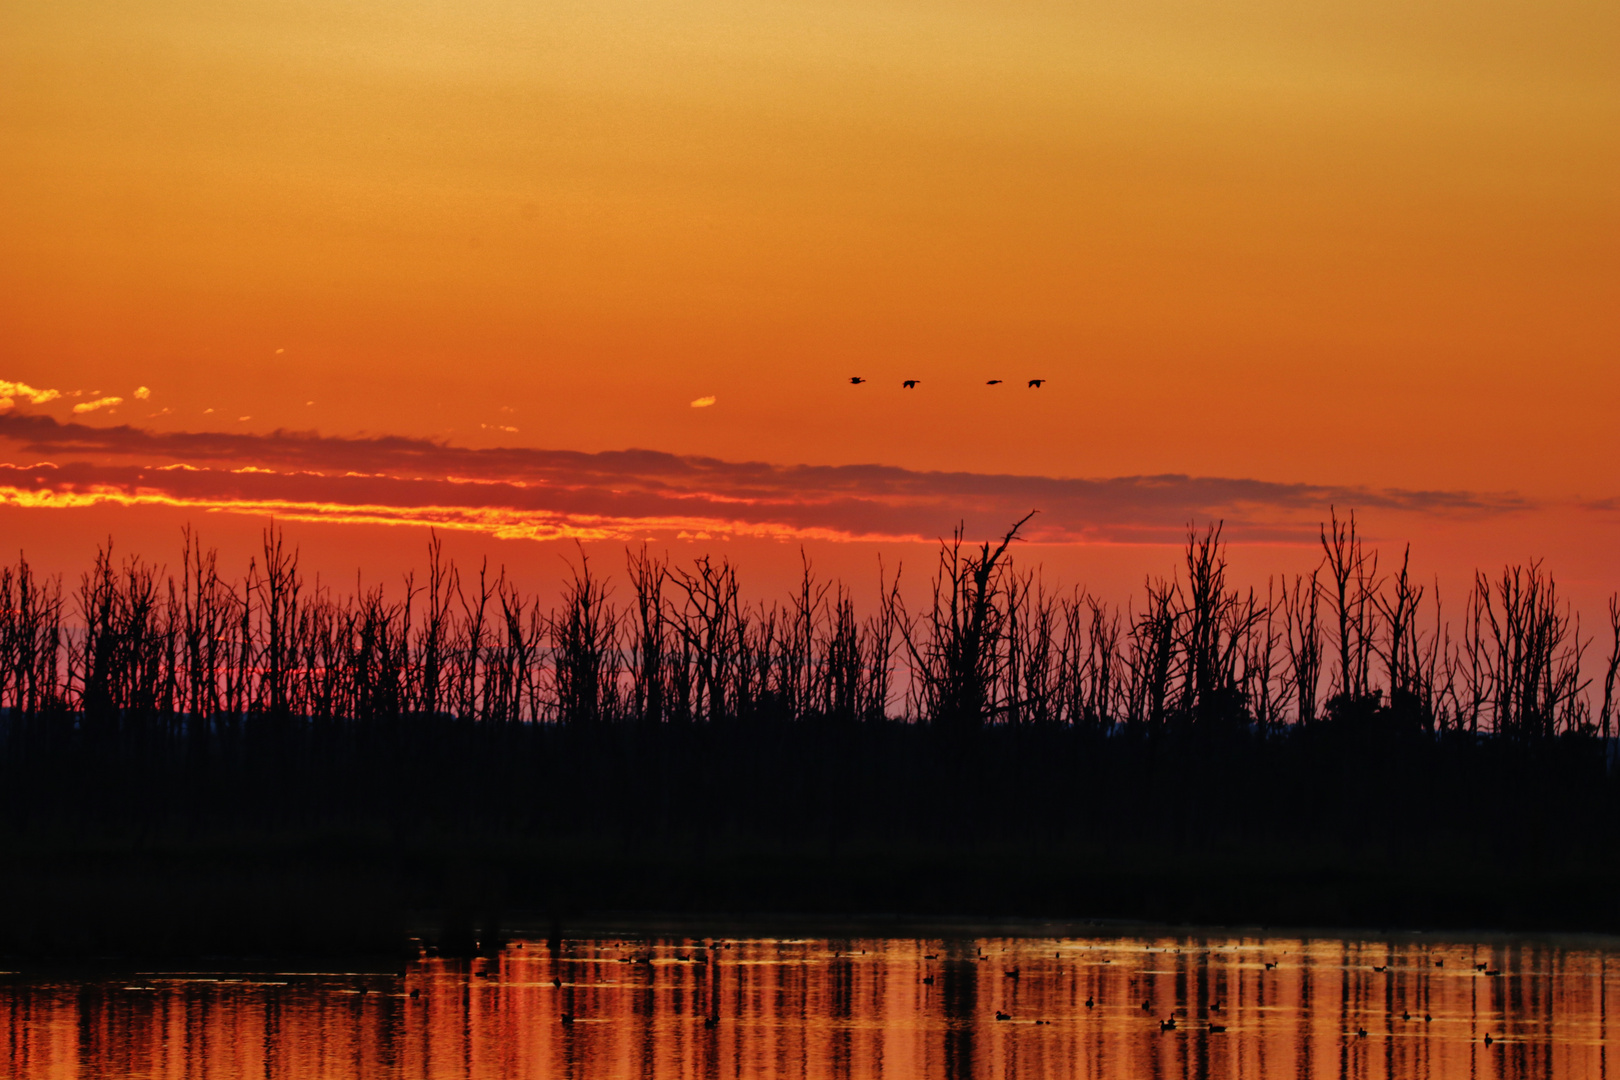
[(857, 1007)]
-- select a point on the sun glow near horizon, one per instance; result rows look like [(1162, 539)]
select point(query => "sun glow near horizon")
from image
[(1346, 246)]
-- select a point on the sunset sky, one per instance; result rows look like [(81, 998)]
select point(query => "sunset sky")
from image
[(465, 257)]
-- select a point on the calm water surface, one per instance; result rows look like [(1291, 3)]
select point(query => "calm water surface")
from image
[(895, 1007)]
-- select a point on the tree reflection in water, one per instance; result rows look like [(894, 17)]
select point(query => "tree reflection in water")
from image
[(688, 1007)]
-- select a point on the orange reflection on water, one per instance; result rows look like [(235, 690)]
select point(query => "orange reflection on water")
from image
[(899, 1007)]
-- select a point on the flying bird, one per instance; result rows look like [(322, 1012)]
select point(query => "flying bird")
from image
[(1035, 384), (911, 384), (855, 380), (992, 382)]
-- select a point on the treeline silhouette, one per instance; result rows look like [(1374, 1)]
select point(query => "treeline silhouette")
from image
[(136, 648), (194, 762)]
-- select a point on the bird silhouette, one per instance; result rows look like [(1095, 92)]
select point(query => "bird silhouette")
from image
[(1217, 1029), (1487, 1039), (1002, 1016), (1090, 1002), (1035, 384), (992, 382), (855, 380), (911, 384)]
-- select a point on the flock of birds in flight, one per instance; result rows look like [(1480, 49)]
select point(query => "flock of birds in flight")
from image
[(911, 384)]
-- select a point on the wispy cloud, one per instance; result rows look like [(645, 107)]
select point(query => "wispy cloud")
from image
[(703, 402), (98, 403), (547, 493)]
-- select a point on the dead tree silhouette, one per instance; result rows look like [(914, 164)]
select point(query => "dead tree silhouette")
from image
[(959, 663)]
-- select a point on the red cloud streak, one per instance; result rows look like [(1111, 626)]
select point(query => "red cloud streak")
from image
[(559, 493)]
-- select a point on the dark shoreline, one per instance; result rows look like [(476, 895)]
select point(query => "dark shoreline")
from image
[(286, 837)]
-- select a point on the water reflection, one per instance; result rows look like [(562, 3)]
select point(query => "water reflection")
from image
[(1003, 1007)]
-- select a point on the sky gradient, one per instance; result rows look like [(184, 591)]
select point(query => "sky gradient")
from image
[(1282, 254)]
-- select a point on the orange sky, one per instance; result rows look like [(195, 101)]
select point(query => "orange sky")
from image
[(1355, 245)]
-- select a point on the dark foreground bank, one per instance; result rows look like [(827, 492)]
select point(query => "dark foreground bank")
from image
[(280, 836)]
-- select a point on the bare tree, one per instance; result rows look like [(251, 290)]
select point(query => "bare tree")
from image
[(956, 665)]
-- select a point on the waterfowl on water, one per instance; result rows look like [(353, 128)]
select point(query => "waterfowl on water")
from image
[(1089, 1003), (1167, 1024), (568, 1018), (1216, 1029), (1002, 1016)]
